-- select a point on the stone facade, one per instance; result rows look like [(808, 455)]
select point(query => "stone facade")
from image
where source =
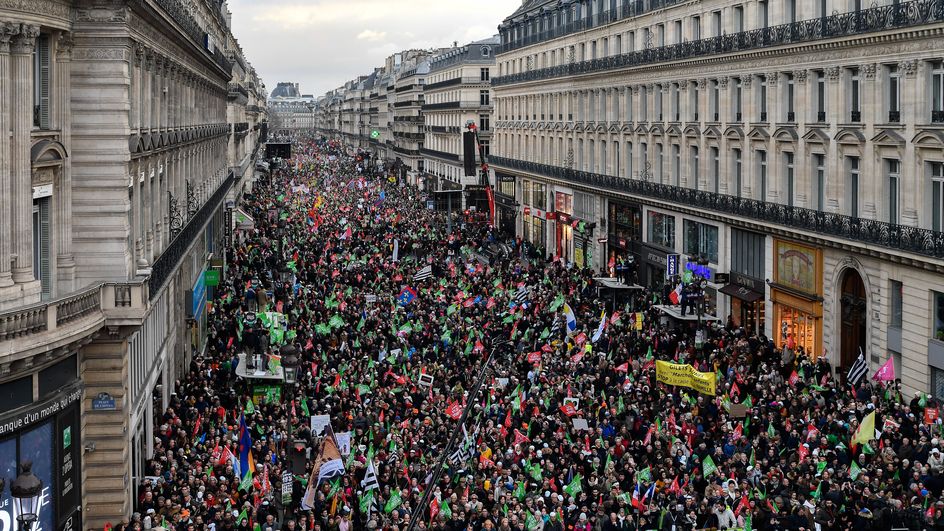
[(130, 123), (817, 131)]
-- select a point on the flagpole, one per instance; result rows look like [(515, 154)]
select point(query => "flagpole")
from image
[(421, 507)]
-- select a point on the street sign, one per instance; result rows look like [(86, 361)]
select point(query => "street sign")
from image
[(103, 402), (672, 265)]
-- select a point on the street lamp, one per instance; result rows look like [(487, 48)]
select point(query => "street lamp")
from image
[(289, 363), (26, 490)]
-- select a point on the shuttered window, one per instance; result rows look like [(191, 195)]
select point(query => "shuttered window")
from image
[(41, 239), (41, 77)]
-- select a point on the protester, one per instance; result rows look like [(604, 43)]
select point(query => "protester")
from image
[(395, 319)]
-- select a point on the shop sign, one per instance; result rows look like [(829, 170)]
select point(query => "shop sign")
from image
[(671, 265), (527, 211), (797, 266), (562, 217), (657, 258), (40, 412), (212, 278), (602, 240), (198, 296), (43, 190), (551, 215), (103, 402), (745, 281)]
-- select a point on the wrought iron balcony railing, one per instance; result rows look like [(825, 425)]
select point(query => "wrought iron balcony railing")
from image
[(868, 231), (879, 18)]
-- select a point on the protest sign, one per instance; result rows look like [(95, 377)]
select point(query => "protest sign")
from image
[(685, 376)]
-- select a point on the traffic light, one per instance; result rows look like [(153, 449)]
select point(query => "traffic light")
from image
[(298, 457)]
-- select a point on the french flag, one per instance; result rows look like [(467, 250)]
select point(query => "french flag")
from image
[(637, 502), (676, 295)]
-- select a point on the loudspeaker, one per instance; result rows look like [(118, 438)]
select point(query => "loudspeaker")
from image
[(468, 152)]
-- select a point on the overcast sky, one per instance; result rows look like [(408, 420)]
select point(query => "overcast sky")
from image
[(323, 43)]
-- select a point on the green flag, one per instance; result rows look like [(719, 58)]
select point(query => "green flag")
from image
[(708, 467), (336, 321), (530, 522), (249, 409), (444, 510), (575, 486), (748, 524), (366, 499), (242, 515), (645, 475), (519, 491), (820, 467), (536, 472), (854, 470), (394, 502), (557, 302), (304, 404)]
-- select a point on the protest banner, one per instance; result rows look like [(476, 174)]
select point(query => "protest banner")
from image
[(685, 376)]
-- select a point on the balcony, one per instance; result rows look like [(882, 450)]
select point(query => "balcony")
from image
[(470, 80), (43, 327), (179, 12), (874, 19), (469, 104), (894, 117), (236, 90), (866, 231), (440, 155), (240, 127)]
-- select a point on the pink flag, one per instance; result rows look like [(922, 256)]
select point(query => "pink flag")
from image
[(886, 372)]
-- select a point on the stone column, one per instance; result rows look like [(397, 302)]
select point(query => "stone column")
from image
[(869, 192), (22, 123), (8, 30), (65, 261), (912, 111), (834, 166)]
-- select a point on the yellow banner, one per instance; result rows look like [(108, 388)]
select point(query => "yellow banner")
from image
[(685, 376)]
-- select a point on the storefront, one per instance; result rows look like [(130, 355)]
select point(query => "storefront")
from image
[(505, 205), (654, 266), (797, 295), (747, 301), (534, 215), (581, 231), (46, 433), (624, 237), (564, 233)]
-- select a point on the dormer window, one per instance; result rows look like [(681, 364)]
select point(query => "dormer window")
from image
[(486, 51)]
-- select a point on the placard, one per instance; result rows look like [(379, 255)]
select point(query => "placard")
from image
[(318, 423), (344, 442), (286, 487), (426, 380), (573, 401), (580, 424)]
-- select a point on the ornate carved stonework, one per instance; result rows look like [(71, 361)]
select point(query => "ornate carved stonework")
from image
[(771, 78), (868, 71), (101, 54), (746, 80), (800, 76), (700, 83), (832, 73), (25, 40), (64, 44), (49, 8), (101, 14), (8, 30), (908, 68), (723, 82)]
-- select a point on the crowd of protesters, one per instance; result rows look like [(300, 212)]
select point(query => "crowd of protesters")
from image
[(570, 429)]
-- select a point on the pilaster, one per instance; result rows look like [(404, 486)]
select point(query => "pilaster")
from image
[(7, 31), (21, 59)]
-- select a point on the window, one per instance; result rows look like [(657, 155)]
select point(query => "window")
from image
[(483, 74), (701, 239), (678, 31), (791, 11), (715, 100), (937, 91), (485, 147), (644, 103), (661, 229), (737, 100), (486, 51), (893, 167), (483, 122), (659, 164), (618, 45), (819, 181), (694, 171), (715, 169), (937, 196), (41, 247), (696, 28), (716, 24), (738, 19), (483, 97), (629, 159), (894, 94), (937, 300), (658, 96), (675, 101), (676, 165), (763, 98), (820, 96), (895, 298), (762, 14), (736, 188), (854, 96), (789, 173), (791, 116), (762, 175), (41, 77)]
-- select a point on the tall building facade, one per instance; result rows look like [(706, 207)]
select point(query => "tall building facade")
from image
[(795, 146), (457, 92), (130, 125)]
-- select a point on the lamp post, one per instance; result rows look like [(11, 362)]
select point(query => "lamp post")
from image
[(26, 490), (290, 369)]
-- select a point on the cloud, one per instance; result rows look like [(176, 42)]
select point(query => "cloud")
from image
[(371, 35), (321, 44)]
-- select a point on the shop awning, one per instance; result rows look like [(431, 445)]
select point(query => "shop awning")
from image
[(242, 220), (612, 283), (740, 292)]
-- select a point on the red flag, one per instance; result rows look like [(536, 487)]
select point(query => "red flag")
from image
[(521, 438), (454, 410), (739, 431), (229, 344), (479, 347), (735, 390), (615, 317), (745, 504), (804, 451), (649, 434), (581, 338), (490, 304), (547, 348), (508, 419), (468, 302), (623, 368), (433, 509), (568, 409), (534, 357), (196, 427), (674, 488), (794, 378)]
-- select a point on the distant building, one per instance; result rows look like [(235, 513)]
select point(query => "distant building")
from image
[(286, 90)]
